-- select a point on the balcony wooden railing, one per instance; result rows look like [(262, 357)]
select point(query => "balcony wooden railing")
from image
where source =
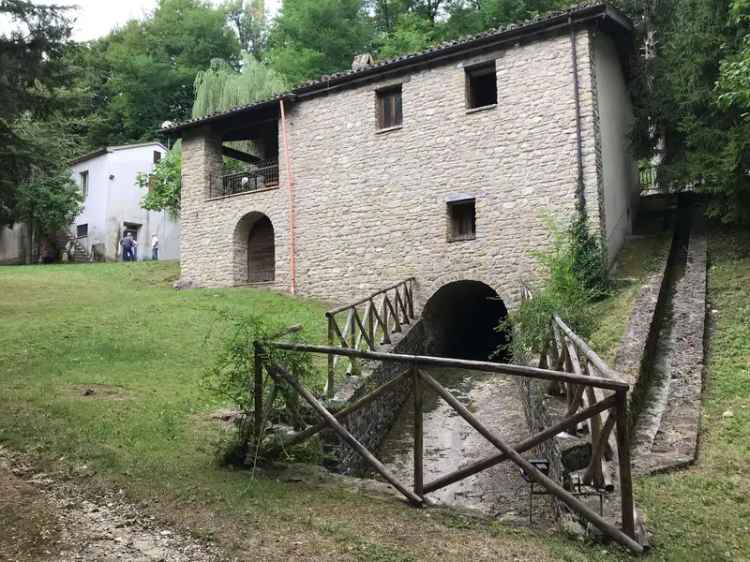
[(264, 176)]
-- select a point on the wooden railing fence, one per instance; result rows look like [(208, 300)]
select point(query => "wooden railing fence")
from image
[(607, 395), (367, 323), (566, 352)]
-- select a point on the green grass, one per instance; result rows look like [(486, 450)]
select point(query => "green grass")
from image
[(704, 513), (637, 260), (66, 328)]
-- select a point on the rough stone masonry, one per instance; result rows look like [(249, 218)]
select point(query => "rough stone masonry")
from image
[(371, 205)]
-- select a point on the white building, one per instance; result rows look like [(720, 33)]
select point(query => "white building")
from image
[(112, 202), (14, 244)]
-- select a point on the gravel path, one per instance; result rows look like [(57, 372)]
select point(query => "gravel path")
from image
[(44, 519)]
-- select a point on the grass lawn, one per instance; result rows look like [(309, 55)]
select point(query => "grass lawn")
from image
[(121, 326)]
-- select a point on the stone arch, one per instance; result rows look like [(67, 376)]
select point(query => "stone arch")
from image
[(254, 249), (460, 318)]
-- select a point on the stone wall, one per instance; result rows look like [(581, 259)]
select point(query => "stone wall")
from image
[(371, 206), (637, 343), (371, 423)]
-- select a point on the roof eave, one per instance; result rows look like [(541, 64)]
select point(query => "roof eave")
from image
[(581, 16)]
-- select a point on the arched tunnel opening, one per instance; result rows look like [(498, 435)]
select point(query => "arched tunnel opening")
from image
[(461, 319)]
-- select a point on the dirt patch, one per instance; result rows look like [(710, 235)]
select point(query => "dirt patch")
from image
[(98, 392), (44, 519)]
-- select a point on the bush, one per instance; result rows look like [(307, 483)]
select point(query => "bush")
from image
[(232, 378), (575, 277)]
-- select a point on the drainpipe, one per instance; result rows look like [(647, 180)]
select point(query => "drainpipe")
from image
[(290, 191), (580, 187)]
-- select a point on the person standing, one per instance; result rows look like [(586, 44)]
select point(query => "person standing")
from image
[(154, 247), (128, 247)]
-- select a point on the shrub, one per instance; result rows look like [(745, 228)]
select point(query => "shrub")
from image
[(232, 378), (575, 276)]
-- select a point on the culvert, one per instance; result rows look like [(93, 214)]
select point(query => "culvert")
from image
[(460, 320)]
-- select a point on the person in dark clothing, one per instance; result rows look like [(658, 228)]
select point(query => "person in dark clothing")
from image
[(128, 245)]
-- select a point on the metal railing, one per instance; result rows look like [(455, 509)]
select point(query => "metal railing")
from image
[(367, 323), (614, 402), (264, 176), (647, 178)]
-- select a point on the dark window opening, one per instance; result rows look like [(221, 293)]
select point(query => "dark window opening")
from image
[(462, 220), (389, 108), (84, 183), (481, 86), (157, 156), (82, 230)]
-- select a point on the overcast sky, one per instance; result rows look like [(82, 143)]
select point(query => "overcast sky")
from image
[(95, 18)]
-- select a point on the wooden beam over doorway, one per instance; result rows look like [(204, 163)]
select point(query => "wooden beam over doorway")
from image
[(241, 156)]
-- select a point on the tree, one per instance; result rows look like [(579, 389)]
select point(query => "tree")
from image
[(688, 104), (311, 38), (47, 204), (142, 74), (30, 58), (164, 184), (248, 18), (221, 87)]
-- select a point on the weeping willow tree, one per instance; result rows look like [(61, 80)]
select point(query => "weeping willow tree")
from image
[(222, 87)]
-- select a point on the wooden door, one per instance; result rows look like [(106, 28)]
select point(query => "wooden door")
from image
[(261, 253)]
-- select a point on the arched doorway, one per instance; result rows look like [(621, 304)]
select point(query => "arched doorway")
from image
[(261, 252), (460, 320), (255, 249)]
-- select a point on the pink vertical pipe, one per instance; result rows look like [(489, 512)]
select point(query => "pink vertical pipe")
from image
[(290, 191)]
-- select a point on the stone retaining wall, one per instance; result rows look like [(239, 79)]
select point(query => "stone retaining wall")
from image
[(637, 344), (676, 443), (371, 423)]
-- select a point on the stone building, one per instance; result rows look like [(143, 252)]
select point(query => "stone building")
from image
[(442, 165)]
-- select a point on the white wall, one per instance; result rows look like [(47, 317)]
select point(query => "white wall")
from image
[(13, 241), (95, 203), (118, 201), (619, 169)]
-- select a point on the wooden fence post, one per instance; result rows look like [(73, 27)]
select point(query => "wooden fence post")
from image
[(331, 367), (623, 454), (258, 393), (418, 434)]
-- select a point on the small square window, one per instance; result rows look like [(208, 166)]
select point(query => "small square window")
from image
[(481, 86), (388, 109), (157, 156), (82, 230), (462, 221)]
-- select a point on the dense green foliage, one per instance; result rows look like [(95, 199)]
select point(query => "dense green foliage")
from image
[(163, 186), (690, 83), (221, 86), (31, 54), (691, 109), (231, 378), (315, 37), (143, 74), (574, 276)]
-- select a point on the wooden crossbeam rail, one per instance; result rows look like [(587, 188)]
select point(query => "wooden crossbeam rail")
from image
[(570, 353), (484, 366), (384, 313), (615, 403)]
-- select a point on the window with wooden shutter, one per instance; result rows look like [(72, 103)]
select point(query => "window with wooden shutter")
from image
[(389, 110), (481, 86), (462, 220)]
